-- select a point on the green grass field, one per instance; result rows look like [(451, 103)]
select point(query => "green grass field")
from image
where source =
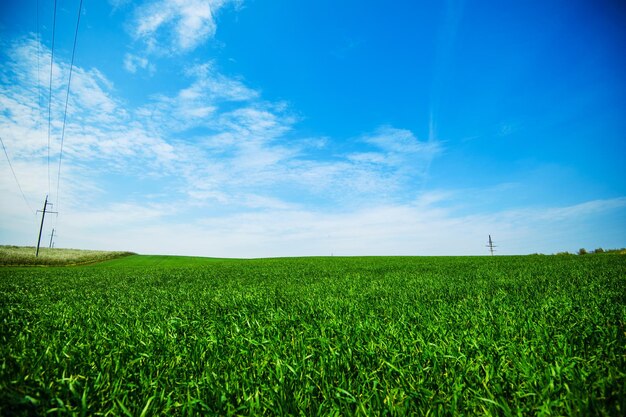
[(156, 261), (140, 336)]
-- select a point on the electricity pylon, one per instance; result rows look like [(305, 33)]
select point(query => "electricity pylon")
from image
[(490, 245)]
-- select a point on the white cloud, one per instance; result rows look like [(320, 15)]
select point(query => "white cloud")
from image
[(176, 26), (99, 131), (199, 103), (133, 63), (242, 151), (399, 147), (278, 230), (557, 214), (215, 86)]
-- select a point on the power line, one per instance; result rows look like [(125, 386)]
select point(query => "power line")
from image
[(38, 40), (67, 96), (15, 176), (54, 24)]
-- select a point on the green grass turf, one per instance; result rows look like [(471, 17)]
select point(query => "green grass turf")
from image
[(536, 335), (159, 261)]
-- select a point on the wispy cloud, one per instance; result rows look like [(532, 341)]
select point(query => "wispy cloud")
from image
[(214, 141), (99, 132), (176, 26), (134, 63), (400, 148), (198, 104), (165, 28), (419, 228)]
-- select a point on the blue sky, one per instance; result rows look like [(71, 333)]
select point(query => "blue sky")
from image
[(257, 128)]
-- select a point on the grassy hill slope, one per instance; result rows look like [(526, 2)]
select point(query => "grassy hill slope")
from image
[(25, 256)]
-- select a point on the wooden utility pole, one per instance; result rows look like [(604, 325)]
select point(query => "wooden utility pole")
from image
[(490, 245), (43, 216)]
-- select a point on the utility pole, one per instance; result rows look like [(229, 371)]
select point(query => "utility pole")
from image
[(490, 245), (43, 216), (51, 237)]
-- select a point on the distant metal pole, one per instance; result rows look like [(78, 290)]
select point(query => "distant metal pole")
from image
[(51, 237), (490, 245)]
